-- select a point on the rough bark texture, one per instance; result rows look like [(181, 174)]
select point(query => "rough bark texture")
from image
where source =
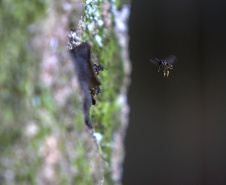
[(43, 135)]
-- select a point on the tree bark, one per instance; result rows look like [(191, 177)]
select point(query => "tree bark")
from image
[(44, 137)]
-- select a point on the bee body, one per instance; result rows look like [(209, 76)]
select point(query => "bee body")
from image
[(165, 65), (93, 93)]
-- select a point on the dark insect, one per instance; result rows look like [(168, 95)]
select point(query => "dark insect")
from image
[(98, 68), (166, 64), (93, 92)]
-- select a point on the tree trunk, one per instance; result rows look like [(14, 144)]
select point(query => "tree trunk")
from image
[(45, 137)]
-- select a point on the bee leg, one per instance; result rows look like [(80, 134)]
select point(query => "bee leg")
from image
[(167, 72), (159, 68), (93, 100), (164, 72)]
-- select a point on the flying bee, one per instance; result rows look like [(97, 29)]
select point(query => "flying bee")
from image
[(93, 92), (166, 64), (98, 68)]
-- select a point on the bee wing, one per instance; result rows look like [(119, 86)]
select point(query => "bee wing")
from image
[(171, 59), (154, 61)]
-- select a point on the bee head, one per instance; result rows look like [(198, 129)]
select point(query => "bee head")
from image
[(161, 62)]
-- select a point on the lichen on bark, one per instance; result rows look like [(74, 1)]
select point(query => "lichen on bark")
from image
[(43, 137)]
